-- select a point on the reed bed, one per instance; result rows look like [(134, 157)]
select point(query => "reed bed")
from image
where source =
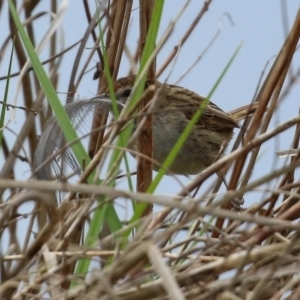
[(76, 242)]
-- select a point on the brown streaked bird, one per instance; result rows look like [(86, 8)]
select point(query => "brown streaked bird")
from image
[(173, 109)]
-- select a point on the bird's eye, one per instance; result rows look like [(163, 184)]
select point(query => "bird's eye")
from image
[(126, 93)]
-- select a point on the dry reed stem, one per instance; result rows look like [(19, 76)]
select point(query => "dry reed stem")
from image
[(117, 22), (145, 137), (255, 256), (273, 80), (185, 37)]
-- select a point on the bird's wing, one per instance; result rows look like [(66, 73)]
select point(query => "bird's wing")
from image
[(212, 117)]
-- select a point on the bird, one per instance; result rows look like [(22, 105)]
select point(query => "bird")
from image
[(174, 106)]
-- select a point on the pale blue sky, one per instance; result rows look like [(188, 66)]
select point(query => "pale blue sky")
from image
[(258, 24)]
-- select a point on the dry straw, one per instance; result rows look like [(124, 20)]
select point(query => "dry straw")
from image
[(75, 245)]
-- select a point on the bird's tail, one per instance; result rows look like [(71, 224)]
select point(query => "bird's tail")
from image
[(243, 112)]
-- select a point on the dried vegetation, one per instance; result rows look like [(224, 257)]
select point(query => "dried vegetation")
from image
[(191, 247)]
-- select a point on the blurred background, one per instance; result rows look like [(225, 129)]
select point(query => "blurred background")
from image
[(260, 27)]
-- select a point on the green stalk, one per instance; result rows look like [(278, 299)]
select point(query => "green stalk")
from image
[(175, 150), (4, 108)]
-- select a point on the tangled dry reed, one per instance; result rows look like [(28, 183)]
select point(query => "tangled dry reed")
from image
[(193, 245)]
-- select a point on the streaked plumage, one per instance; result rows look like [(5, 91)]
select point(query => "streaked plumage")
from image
[(173, 109)]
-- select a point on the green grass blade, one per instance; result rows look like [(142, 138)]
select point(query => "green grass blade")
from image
[(4, 108), (60, 114), (172, 155)]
